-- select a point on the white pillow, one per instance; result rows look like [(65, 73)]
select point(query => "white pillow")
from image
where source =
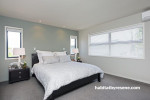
[(60, 53), (43, 53), (50, 59), (65, 58)]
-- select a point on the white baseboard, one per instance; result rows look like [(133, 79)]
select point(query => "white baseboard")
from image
[(138, 80)]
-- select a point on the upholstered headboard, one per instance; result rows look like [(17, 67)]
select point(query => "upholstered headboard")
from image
[(34, 59)]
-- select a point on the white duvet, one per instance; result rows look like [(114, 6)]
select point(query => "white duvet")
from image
[(54, 76)]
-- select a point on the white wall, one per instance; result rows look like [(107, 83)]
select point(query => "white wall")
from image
[(128, 68)]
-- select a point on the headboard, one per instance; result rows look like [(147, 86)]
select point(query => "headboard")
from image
[(34, 59)]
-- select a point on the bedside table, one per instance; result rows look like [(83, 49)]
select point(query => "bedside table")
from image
[(16, 75), (79, 61)]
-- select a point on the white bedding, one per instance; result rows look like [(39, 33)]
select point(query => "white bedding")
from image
[(53, 76)]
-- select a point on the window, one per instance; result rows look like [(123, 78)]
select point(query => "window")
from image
[(73, 43), (13, 39), (125, 42)]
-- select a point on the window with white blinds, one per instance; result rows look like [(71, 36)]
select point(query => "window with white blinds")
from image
[(124, 42), (13, 39), (73, 43)]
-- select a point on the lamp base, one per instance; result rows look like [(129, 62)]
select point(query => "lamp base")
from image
[(75, 57), (19, 62)]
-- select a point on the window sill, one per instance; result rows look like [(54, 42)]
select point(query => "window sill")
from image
[(140, 58), (11, 58)]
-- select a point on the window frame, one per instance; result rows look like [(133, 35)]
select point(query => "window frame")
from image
[(6, 40), (110, 43), (73, 37)]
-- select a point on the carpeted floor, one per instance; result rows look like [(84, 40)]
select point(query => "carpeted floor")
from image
[(32, 90)]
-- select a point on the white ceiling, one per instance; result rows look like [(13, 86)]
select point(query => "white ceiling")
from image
[(71, 14)]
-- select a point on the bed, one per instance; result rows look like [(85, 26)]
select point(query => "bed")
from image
[(68, 84)]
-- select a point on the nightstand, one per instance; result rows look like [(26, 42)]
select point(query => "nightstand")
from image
[(16, 75), (79, 61)]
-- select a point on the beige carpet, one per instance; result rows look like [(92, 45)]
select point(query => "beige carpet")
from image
[(32, 90)]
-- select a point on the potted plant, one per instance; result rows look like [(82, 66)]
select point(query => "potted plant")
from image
[(24, 65), (78, 58)]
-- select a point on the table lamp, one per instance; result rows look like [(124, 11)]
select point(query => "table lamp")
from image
[(75, 51), (18, 52)]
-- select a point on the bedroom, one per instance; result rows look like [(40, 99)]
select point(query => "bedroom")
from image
[(54, 25)]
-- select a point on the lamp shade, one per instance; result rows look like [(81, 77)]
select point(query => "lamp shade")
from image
[(76, 50), (19, 51)]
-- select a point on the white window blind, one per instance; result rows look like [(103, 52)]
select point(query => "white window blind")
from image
[(125, 42)]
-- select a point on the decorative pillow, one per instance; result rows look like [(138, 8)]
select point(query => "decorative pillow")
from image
[(65, 58), (50, 59), (43, 53), (60, 53)]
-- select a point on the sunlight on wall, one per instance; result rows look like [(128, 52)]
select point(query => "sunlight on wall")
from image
[(61, 34), (38, 32)]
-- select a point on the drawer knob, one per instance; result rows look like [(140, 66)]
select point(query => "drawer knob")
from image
[(19, 76), (19, 72)]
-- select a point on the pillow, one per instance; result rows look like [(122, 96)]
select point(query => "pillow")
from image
[(65, 58), (43, 53), (60, 53), (50, 59)]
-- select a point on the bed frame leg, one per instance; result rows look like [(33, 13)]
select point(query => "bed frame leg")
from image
[(99, 78), (33, 75), (50, 98)]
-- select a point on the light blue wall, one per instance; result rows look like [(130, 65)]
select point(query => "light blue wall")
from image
[(43, 37)]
